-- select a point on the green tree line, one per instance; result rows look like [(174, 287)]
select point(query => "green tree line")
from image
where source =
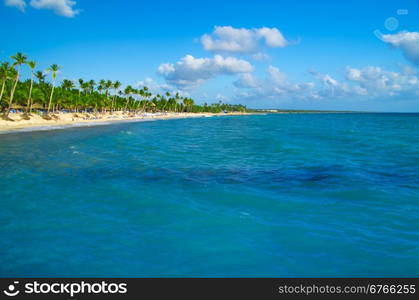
[(41, 92)]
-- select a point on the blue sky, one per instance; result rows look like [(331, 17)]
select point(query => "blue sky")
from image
[(265, 54)]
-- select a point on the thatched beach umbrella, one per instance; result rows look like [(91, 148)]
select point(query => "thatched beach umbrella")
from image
[(37, 106), (153, 108), (17, 106)]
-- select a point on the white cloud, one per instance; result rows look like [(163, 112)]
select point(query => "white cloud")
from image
[(153, 86), (60, 7), (272, 36), (260, 56), (382, 83), (366, 83), (190, 72), (353, 74), (277, 76), (370, 82), (274, 86), (20, 4), (407, 42), (246, 80), (242, 40), (330, 87), (157, 88), (408, 70), (222, 98)]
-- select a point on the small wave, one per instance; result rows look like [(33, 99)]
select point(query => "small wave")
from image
[(244, 214)]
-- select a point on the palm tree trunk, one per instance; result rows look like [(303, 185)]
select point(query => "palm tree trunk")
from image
[(29, 104), (164, 106), (50, 98), (143, 109), (2, 89), (126, 105), (76, 102), (12, 93), (112, 104)]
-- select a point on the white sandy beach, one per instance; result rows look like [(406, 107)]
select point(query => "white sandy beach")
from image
[(62, 120)]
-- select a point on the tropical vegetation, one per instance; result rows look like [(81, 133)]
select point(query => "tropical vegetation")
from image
[(43, 93)]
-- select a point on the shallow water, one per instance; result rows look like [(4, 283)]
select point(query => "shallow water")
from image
[(275, 195)]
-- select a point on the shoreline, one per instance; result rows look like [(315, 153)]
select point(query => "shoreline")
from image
[(72, 120)]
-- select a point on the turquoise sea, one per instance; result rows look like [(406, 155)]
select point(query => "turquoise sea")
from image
[(269, 195)]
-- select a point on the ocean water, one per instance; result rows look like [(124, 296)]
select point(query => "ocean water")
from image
[(273, 195)]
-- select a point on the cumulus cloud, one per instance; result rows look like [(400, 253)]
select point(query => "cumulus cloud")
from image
[(242, 40), (246, 80), (153, 86), (20, 4), (222, 98), (190, 72), (274, 86), (407, 42), (381, 83), (370, 82), (330, 87), (63, 8), (260, 56), (160, 88), (366, 83)]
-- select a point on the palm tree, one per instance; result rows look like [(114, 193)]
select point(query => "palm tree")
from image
[(87, 95), (188, 102), (4, 76), (67, 84), (19, 60), (147, 95), (108, 86), (41, 87), (116, 85), (40, 76), (54, 70), (91, 85), (167, 101), (128, 91), (81, 87), (101, 86), (177, 99), (66, 88), (142, 95), (32, 66)]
